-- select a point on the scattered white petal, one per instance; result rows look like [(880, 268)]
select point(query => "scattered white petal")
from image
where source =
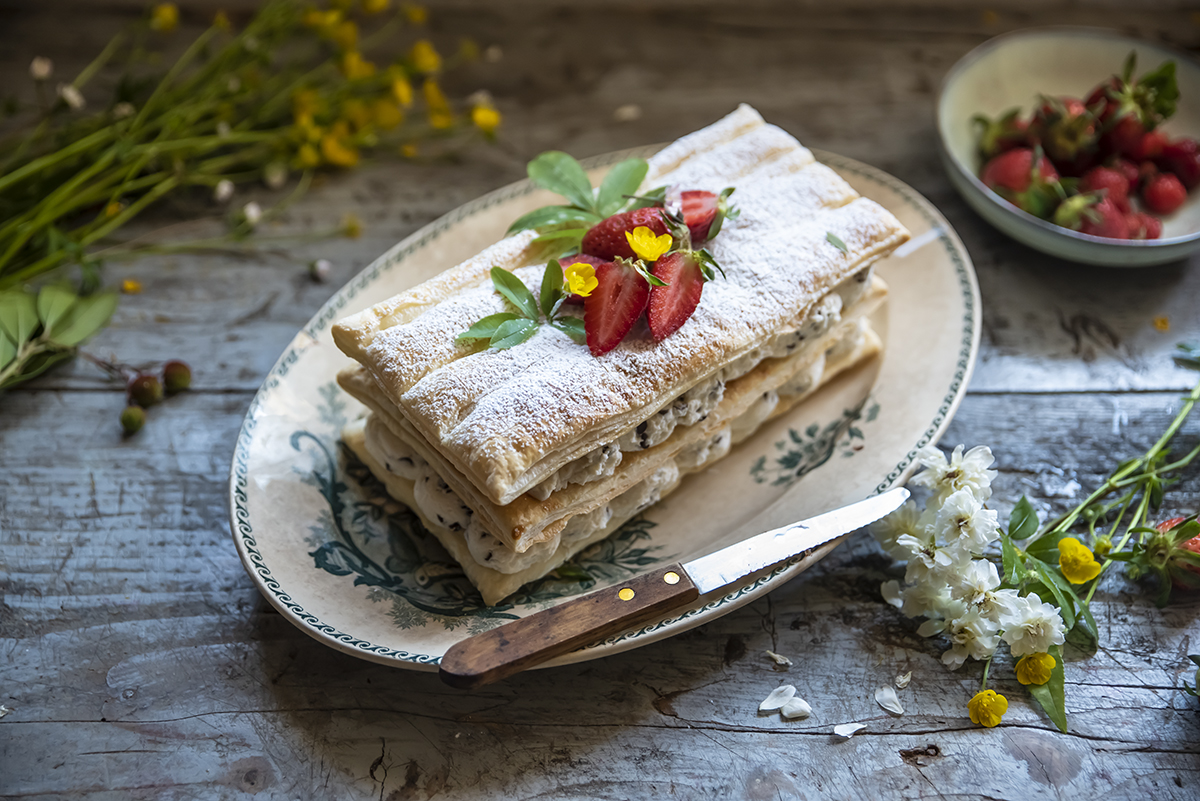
[(71, 96), (41, 68), (223, 191), (886, 697), (778, 697), (848, 730), (892, 594), (903, 680), (796, 708), (628, 113), (5, 710), (779, 659), (481, 97)]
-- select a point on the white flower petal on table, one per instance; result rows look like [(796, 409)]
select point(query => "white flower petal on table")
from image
[(848, 730), (903, 680), (779, 659), (778, 697), (886, 697), (796, 708)]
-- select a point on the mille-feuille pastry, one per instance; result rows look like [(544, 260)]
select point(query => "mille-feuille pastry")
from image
[(517, 458)]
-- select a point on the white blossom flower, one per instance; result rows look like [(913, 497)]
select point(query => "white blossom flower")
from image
[(947, 476), (252, 212), (493, 54), (71, 96), (1032, 627), (223, 191), (932, 600), (41, 68), (962, 521), (927, 561), (223, 130), (905, 520), (123, 110), (320, 270), (275, 175), (972, 635)]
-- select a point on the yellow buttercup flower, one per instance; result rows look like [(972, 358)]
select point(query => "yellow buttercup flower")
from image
[(485, 118), (356, 113), (321, 20), (1035, 668), (344, 34), (131, 286), (336, 150), (386, 114), (402, 91), (352, 227), (424, 57), (408, 151), (305, 104), (646, 245), (987, 708), (221, 20), (375, 6), (415, 14), (434, 98), (581, 279), (1076, 561), (164, 17), (354, 66), (113, 208)]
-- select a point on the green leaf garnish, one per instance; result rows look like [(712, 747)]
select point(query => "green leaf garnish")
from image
[(553, 215), (552, 284), (653, 197), (640, 267), (836, 242), (513, 332), (18, 314), (561, 173), (622, 180), (572, 327), (1023, 521), (83, 319), (486, 328), (724, 211), (515, 291)]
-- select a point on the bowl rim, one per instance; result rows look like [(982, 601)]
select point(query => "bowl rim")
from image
[(1050, 31)]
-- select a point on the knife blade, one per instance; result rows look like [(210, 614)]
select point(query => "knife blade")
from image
[(521, 644)]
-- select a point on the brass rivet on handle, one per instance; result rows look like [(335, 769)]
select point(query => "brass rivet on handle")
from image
[(625, 594), (671, 577)]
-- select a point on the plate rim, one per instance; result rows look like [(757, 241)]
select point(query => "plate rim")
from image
[(270, 588)]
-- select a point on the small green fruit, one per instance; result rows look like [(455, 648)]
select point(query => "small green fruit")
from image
[(177, 376), (132, 419), (145, 390)]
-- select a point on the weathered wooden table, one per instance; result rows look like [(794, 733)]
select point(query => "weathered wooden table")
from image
[(138, 660)]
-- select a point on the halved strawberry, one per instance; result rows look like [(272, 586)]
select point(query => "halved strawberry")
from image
[(614, 305), (684, 273), (567, 261), (705, 212), (606, 239)]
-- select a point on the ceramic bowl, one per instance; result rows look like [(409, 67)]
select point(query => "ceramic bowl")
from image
[(1014, 70)]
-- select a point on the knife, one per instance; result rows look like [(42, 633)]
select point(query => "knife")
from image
[(521, 644)]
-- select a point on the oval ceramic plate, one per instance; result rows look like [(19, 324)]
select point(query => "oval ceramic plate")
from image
[(357, 571), (1013, 70)]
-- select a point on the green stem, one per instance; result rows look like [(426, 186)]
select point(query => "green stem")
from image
[(49, 160), (98, 62), (986, 667)]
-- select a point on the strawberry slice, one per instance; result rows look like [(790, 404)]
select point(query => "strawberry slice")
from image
[(606, 239), (614, 305), (704, 212), (567, 261), (671, 305)]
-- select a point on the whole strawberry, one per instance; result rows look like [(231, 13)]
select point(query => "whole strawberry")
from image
[(1004, 133), (1128, 109), (1014, 176), (1164, 193), (1182, 157), (606, 239), (1110, 181), (1068, 132), (1094, 215), (1130, 171)]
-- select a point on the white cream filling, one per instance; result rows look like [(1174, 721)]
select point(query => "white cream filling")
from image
[(694, 405)]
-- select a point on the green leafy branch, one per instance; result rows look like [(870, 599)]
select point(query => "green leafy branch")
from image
[(39, 331), (561, 228), (507, 329)]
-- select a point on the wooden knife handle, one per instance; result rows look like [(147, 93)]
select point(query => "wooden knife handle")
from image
[(521, 644)]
